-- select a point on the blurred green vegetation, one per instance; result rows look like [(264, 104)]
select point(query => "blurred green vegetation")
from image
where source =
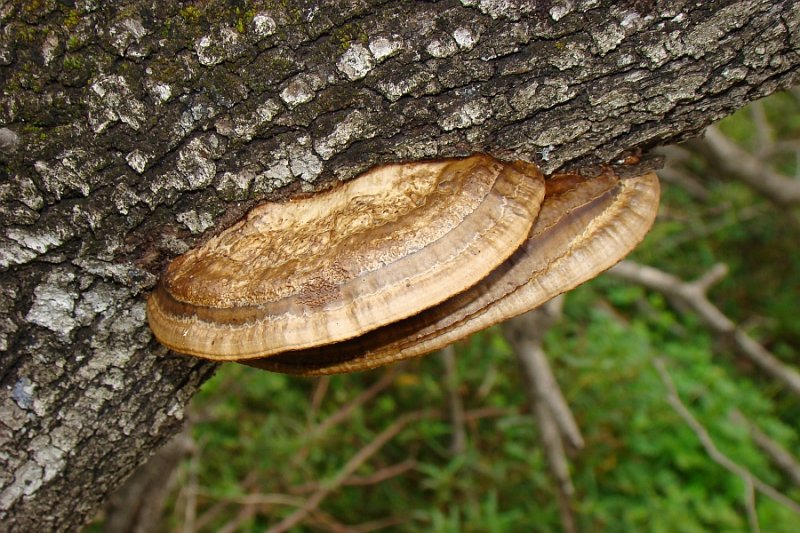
[(643, 468)]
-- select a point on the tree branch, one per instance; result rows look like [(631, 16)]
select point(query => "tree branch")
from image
[(555, 420), (744, 166), (346, 471), (712, 450), (386, 380), (777, 453), (692, 295), (186, 118), (458, 441)]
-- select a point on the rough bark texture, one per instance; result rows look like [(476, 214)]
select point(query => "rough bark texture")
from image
[(130, 130)]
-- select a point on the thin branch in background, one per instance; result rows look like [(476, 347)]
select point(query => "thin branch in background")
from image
[(254, 502), (376, 477), (692, 295), (677, 158), (750, 505), (190, 510), (377, 525), (346, 471), (554, 419), (386, 380), (786, 146), (319, 521), (246, 512), (458, 440), (729, 158), (251, 503), (249, 483), (346, 410), (711, 449), (537, 367), (686, 181), (696, 232), (322, 521), (797, 163), (777, 453), (256, 498), (487, 412), (765, 138), (320, 390), (487, 383), (379, 476)]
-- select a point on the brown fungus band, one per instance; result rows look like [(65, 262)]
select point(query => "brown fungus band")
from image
[(399, 262)]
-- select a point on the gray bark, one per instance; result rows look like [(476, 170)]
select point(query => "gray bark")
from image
[(129, 131)]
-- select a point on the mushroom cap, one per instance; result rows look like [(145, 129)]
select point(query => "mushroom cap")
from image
[(585, 226), (383, 247)]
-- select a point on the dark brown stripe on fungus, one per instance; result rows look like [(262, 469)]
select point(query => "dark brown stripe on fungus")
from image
[(385, 246), (409, 283)]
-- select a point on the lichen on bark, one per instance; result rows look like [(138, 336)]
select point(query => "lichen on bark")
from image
[(129, 131)]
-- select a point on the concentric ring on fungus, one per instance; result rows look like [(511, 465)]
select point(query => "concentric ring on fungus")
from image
[(380, 248), (399, 262)]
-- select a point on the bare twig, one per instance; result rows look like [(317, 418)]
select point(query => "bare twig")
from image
[(346, 410), (322, 521), (673, 172), (256, 498), (553, 416), (220, 505), (695, 232), (487, 383), (692, 295), (346, 471), (530, 329), (376, 477), (733, 160), (383, 474), (777, 453), (458, 440), (785, 146), (190, 511), (320, 390), (250, 503), (376, 525), (765, 140), (712, 450), (558, 464), (486, 412), (686, 181), (750, 505), (245, 513)]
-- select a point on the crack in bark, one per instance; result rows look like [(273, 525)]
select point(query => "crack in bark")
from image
[(424, 100)]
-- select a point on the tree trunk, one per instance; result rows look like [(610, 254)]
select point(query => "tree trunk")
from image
[(130, 131)]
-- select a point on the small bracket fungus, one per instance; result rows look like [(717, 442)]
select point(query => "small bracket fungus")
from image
[(383, 247), (399, 262)]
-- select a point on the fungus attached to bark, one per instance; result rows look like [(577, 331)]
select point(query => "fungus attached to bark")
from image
[(397, 263), (383, 247)]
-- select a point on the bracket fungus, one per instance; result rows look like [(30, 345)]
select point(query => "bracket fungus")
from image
[(399, 262)]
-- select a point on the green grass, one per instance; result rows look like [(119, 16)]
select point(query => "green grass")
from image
[(643, 468)]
